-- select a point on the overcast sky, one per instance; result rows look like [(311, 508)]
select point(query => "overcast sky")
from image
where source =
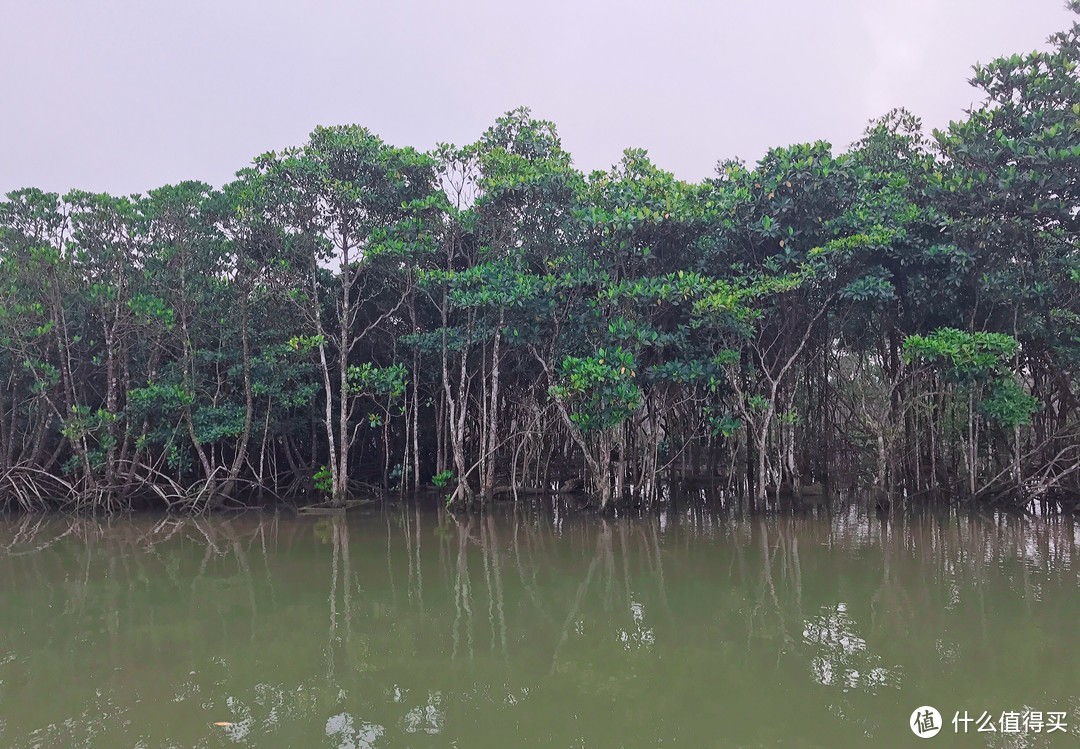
[(126, 96)]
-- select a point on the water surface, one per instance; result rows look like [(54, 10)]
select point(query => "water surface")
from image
[(405, 626)]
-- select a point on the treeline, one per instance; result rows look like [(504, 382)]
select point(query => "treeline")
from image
[(348, 314)]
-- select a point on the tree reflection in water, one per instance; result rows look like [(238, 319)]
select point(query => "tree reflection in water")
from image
[(691, 627)]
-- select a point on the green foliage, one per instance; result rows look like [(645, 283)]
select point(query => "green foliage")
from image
[(216, 423), (323, 480), (724, 425), (149, 309), (389, 381), (757, 403), (964, 356), (306, 342), (1007, 403), (601, 389), (158, 398), (981, 359)]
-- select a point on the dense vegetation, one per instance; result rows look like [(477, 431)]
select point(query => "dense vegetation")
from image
[(348, 313)]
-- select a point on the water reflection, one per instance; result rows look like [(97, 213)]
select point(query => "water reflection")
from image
[(411, 626), (843, 658)]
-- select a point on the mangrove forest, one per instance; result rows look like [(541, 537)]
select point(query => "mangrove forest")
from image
[(350, 317)]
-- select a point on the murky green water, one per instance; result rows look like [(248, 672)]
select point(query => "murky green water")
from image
[(407, 627)]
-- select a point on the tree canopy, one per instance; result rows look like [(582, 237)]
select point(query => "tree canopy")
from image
[(348, 314)]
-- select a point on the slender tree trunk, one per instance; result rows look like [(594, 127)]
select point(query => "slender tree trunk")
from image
[(249, 407), (493, 415)]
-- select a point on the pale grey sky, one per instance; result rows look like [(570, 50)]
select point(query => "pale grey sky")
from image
[(123, 96)]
